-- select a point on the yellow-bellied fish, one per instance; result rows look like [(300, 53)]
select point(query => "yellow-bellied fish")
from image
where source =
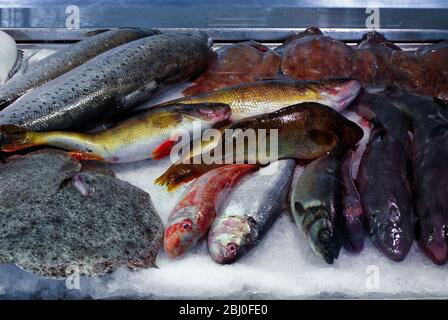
[(261, 97), (146, 136)]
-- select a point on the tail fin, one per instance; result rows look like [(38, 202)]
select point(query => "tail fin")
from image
[(181, 173), (13, 138)]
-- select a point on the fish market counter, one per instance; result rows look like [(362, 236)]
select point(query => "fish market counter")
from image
[(280, 266)]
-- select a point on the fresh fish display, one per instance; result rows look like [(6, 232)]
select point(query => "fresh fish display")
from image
[(67, 59), (430, 172), (351, 208), (52, 228), (10, 58), (383, 181), (304, 131), (256, 98), (242, 62), (113, 81), (149, 135), (241, 224), (316, 206), (195, 212)]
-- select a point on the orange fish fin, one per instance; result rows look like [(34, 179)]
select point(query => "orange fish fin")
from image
[(163, 150), (79, 155), (16, 138)]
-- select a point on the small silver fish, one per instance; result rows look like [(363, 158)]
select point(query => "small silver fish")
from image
[(250, 211)]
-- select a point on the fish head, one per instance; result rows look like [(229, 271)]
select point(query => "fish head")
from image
[(228, 239), (182, 234), (321, 240), (349, 132), (208, 112), (433, 240), (338, 93)]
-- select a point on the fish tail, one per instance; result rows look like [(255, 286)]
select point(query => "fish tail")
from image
[(13, 138), (182, 173)]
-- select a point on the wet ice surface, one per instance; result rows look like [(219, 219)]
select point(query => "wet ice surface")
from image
[(281, 266)]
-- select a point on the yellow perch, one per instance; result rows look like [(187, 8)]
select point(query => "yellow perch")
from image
[(146, 136), (261, 97)]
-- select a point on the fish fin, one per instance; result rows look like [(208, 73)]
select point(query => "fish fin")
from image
[(321, 138), (179, 174), (17, 64), (95, 32), (163, 150), (13, 138), (142, 94), (79, 155)]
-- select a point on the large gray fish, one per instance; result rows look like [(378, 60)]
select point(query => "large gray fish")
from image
[(316, 205), (430, 172), (113, 81), (56, 216), (383, 180), (250, 211), (65, 60)]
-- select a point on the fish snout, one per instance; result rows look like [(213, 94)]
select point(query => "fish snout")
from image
[(223, 253), (322, 240), (434, 243), (342, 94), (178, 238)]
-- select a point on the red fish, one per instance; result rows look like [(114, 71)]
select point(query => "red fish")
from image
[(196, 211)]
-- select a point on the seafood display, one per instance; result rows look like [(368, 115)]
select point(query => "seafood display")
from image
[(375, 62), (348, 138), (10, 57), (429, 172), (303, 132), (67, 59), (113, 81), (146, 136), (242, 224)]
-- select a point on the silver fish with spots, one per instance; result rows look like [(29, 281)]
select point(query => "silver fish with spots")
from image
[(112, 82), (66, 59)]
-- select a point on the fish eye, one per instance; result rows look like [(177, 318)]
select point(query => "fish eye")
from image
[(324, 235), (186, 224)]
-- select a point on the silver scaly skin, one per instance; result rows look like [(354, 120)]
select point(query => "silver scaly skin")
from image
[(111, 82), (67, 59), (250, 211)]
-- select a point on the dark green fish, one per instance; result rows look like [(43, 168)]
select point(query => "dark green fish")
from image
[(316, 205)]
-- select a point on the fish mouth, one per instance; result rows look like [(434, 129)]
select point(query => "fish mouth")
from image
[(224, 253), (342, 95), (435, 247)]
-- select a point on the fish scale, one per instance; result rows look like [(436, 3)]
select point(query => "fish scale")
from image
[(242, 223), (67, 59), (111, 82)]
